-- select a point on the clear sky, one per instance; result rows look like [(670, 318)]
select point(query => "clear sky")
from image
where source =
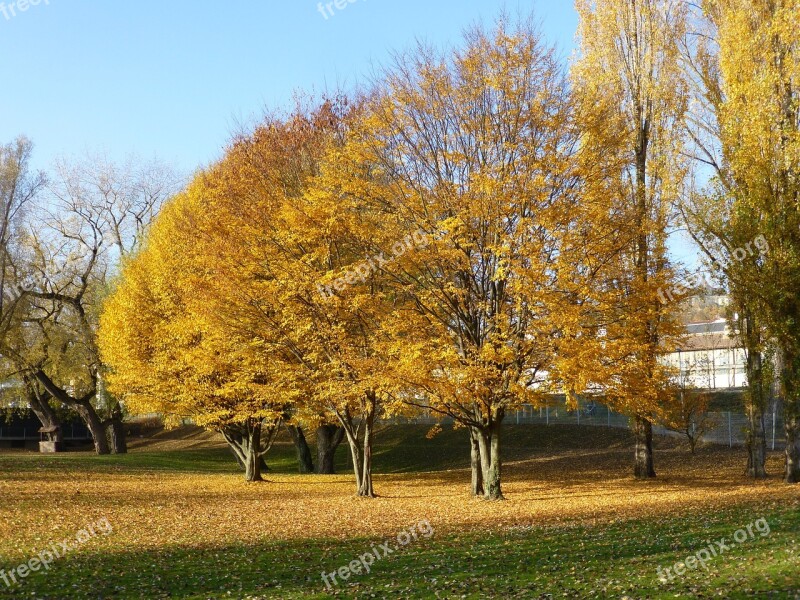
[(172, 78)]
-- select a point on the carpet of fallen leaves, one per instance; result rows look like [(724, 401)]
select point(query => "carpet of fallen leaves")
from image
[(153, 508)]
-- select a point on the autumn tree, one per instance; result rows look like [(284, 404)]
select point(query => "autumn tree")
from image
[(720, 227), (750, 70), (461, 180), (277, 241), (241, 269), (19, 188), (165, 356), (628, 66), (94, 213)]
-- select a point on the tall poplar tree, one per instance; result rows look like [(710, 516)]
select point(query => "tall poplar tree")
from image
[(629, 64)]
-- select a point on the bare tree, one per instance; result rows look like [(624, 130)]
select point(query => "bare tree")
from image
[(95, 213), (18, 187)]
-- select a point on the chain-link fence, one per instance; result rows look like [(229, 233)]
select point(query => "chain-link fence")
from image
[(723, 427)]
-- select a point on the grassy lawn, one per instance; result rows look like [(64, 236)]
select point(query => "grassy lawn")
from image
[(574, 525)]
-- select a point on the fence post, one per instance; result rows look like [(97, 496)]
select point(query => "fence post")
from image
[(547, 413), (730, 431)]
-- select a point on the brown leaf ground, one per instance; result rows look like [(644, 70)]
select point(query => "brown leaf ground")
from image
[(588, 482)]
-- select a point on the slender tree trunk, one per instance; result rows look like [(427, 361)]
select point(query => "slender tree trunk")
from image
[(755, 399), (643, 452), (355, 456), (791, 413), (476, 485), (328, 439), (304, 461), (361, 449), (790, 427), (365, 488)]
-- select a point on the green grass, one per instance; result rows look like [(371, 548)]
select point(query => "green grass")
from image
[(575, 562), (612, 560), (398, 449)]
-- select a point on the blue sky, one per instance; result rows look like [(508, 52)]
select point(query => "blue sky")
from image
[(173, 78)]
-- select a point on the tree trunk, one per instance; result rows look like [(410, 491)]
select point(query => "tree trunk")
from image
[(790, 427), (245, 440), (756, 443), (489, 448), (476, 485), (252, 465), (355, 456), (643, 452), (361, 449), (40, 405), (791, 412), (304, 460), (95, 426), (328, 439), (116, 429), (755, 398), (365, 488), (83, 406)]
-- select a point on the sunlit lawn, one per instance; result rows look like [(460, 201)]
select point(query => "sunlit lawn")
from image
[(574, 525)]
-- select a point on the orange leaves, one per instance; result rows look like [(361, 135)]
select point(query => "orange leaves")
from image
[(276, 279)]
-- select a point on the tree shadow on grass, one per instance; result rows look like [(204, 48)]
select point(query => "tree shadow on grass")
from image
[(575, 561)]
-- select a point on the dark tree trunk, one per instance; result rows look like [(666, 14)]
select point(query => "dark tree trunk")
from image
[(252, 465), (489, 448), (328, 439), (790, 426), (643, 452), (791, 413), (755, 399), (116, 430), (83, 406), (40, 405), (756, 443), (476, 485), (304, 460), (95, 426)]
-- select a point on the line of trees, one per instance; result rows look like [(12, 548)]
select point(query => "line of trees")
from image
[(468, 235), (742, 65), (480, 228)]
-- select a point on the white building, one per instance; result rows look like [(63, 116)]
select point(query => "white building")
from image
[(710, 357)]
